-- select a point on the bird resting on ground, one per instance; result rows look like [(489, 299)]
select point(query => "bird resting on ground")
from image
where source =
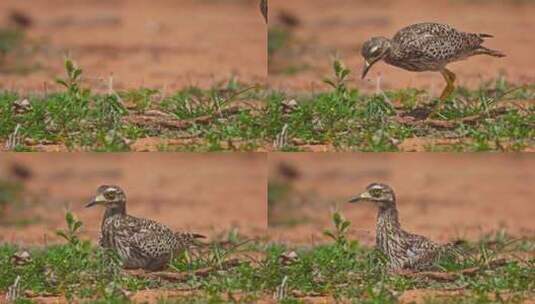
[(139, 242), (404, 250), (426, 47)]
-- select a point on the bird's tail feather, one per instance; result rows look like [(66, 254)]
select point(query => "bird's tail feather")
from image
[(197, 236), (193, 239), (483, 35), (456, 248), (486, 51), (452, 248)]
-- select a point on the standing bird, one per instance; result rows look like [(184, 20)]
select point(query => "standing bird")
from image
[(404, 250), (426, 47), (139, 242)]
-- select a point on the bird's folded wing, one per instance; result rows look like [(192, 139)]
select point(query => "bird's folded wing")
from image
[(432, 49), (421, 250), (421, 30), (149, 243)]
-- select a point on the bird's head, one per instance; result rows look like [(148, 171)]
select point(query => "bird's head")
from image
[(379, 194), (374, 50), (109, 197)]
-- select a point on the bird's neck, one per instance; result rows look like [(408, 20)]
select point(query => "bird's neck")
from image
[(393, 53), (119, 209), (387, 227), (388, 216), (391, 46)]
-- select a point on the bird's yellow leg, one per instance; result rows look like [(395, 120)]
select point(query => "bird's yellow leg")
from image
[(449, 76)]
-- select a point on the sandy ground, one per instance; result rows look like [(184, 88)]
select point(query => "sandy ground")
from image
[(205, 193), (326, 28), (161, 43), (443, 196)]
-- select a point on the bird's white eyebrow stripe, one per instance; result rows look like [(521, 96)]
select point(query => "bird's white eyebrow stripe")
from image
[(374, 48)]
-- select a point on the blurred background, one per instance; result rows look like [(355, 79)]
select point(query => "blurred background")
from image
[(444, 196), (159, 43), (305, 35), (212, 194)]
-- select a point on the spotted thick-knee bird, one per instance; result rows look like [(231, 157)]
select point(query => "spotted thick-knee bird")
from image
[(426, 47), (139, 242), (404, 250)]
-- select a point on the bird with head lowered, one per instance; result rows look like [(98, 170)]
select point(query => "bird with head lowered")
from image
[(426, 47)]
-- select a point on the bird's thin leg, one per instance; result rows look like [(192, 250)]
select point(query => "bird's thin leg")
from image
[(449, 76)]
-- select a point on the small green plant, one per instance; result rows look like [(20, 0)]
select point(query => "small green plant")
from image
[(73, 228), (338, 82), (72, 82), (339, 233), (70, 108)]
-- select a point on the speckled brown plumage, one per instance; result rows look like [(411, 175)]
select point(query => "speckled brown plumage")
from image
[(426, 47), (404, 250), (139, 242)]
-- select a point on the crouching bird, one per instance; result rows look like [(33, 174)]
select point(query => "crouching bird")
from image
[(404, 250), (140, 243)]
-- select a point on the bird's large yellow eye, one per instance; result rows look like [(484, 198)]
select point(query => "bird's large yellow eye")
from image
[(376, 192), (109, 195)]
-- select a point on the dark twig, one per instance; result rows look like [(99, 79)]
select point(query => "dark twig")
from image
[(184, 276), (452, 276)]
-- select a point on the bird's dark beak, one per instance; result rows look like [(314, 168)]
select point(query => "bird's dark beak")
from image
[(366, 68), (97, 200), (361, 197)]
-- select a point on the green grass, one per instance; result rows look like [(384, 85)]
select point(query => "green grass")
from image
[(83, 120), (341, 270), (341, 118), (349, 120)]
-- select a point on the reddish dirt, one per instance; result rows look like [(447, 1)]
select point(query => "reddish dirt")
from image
[(340, 27), (157, 295), (443, 196), (153, 296), (424, 295), (165, 44), (205, 193)]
